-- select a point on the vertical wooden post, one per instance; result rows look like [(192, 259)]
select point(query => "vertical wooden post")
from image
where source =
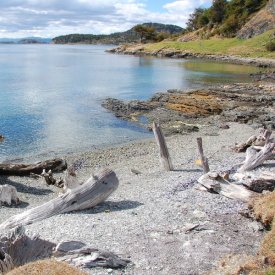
[(164, 154), (204, 160)]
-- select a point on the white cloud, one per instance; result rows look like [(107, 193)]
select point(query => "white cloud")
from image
[(50, 18)]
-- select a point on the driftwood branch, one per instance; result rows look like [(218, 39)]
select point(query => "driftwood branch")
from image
[(84, 196), (79, 254), (204, 160), (19, 249), (50, 180), (55, 165), (255, 141), (255, 158), (164, 153)]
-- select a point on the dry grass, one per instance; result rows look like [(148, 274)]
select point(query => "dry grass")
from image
[(46, 267), (264, 208), (264, 263), (268, 246)]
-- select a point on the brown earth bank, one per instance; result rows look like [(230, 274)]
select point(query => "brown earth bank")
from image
[(139, 50), (180, 111)]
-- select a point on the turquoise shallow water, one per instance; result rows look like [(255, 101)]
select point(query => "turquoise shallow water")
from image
[(50, 95)]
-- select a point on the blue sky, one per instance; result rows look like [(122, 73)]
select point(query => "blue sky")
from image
[(50, 18)]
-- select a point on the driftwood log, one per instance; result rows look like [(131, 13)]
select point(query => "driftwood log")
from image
[(8, 195), (164, 153), (55, 165), (19, 249), (84, 196)]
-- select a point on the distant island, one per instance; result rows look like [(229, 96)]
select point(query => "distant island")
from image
[(129, 36), (26, 40)]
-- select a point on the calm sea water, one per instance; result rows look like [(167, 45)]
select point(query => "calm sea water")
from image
[(50, 95)]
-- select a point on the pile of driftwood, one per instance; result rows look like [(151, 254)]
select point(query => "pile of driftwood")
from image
[(239, 184), (242, 182)]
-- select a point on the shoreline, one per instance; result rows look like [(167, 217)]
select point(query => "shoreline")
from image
[(182, 112), (138, 50), (146, 218)]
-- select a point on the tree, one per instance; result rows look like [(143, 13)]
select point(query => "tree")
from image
[(218, 9), (198, 19), (145, 32)]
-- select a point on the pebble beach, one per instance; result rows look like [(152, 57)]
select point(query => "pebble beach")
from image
[(147, 219)]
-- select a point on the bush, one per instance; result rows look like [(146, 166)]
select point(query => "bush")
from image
[(270, 46)]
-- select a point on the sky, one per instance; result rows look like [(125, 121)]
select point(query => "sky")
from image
[(50, 18)]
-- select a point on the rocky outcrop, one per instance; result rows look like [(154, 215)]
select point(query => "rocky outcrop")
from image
[(261, 22), (180, 111)]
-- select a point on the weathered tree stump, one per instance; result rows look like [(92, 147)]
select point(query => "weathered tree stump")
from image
[(84, 196), (8, 195)]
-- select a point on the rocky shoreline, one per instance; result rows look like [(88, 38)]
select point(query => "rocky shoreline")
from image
[(181, 112), (139, 50)]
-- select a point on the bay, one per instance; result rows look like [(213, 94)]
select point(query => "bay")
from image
[(50, 95)]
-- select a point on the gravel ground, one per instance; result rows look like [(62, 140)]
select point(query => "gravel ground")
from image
[(147, 217)]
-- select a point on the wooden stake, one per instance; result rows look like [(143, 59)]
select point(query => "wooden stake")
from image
[(204, 160), (164, 154)]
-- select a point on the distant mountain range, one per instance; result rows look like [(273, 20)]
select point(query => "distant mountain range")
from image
[(26, 40), (115, 38)]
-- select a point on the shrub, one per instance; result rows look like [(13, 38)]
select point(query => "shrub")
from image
[(270, 46)]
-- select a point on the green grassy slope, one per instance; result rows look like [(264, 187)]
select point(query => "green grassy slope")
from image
[(253, 47)]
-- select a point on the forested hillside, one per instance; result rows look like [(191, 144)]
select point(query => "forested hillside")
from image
[(225, 18), (120, 37)]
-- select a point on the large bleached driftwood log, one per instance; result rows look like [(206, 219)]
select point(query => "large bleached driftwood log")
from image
[(18, 249), (84, 196), (55, 165)]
